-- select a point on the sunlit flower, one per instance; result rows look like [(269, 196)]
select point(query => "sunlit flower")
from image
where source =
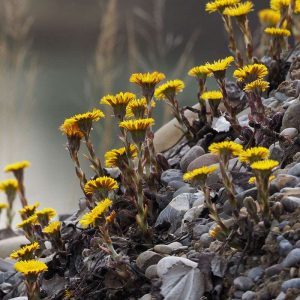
[(264, 165), (279, 4), (29, 209), (93, 216), (200, 72), (101, 184), (111, 217), (219, 5), (169, 89), (252, 180), (17, 166), (215, 231), (146, 79), (3, 205), (251, 72), (212, 95), (52, 228), (269, 16), (239, 10), (137, 108), (31, 267), (257, 85), (199, 173), (49, 212), (219, 67), (26, 252), (32, 220), (280, 32), (9, 185), (226, 147), (115, 157), (254, 154)]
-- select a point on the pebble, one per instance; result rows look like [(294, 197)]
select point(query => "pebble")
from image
[(205, 240), (285, 247), (291, 117), (292, 259), (146, 297), (10, 244), (168, 249), (291, 284), (290, 203), (276, 152), (255, 273), (249, 295), (190, 156), (289, 133), (198, 230), (273, 270), (147, 258), (177, 184), (185, 189), (204, 160), (243, 283), (295, 170), (151, 272), (281, 181), (171, 175), (281, 296)]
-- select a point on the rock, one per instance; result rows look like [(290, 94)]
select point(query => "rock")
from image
[(243, 283), (147, 258), (281, 296), (285, 247), (185, 189), (198, 230), (168, 249), (249, 295), (291, 117), (10, 244), (291, 284), (171, 175), (255, 273), (177, 184), (164, 198), (192, 214), (276, 152), (151, 272), (175, 211), (295, 170), (146, 297), (19, 298), (290, 133), (273, 270), (283, 180), (290, 203), (204, 160), (292, 259), (190, 156), (6, 265), (205, 240), (181, 279)]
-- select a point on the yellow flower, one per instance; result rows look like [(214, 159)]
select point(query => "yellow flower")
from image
[(212, 95), (198, 173), (137, 108), (146, 79), (226, 147), (3, 205), (25, 251), (91, 217), (279, 4), (137, 125), (17, 166), (52, 228), (30, 267), (219, 67), (264, 165), (239, 10), (29, 209), (103, 183), (9, 185), (200, 72), (260, 85), (273, 31), (253, 154), (111, 217), (48, 212), (71, 129), (169, 89), (269, 16), (252, 180), (251, 72), (118, 99), (218, 5), (215, 231), (32, 220), (114, 157)]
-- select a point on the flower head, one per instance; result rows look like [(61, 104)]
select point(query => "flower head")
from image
[(219, 5), (269, 16), (279, 4), (93, 216), (32, 220), (9, 185), (145, 79), (29, 210), (17, 166), (252, 180), (219, 67), (71, 129), (212, 95), (169, 89), (52, 228), (254, 154), (200, 72), (137, 108), (31, 267), (239, 10), (44, 215), (264, 165), (25, 252), (3, 205), (277, 32), (101, 184), (251, 72), (226, 147), (115, 157), (200, 173), (257, 85)]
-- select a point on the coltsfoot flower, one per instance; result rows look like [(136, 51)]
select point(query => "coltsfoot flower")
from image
[(115, 157), (169, 89), (199, 174), (254, 154), (91, 218), (137, 108), (269, 16), (32, 220), (17, 166), (52, 228), (31, 268), (29, 210), (9, 185), (225, 148), (264, 165), (250, 73), (257, 86), (239, 10), (3, 205), (71, 130), (219, 5), (279, 5), (219, 67), (45, 215), (277, 32), (252, 180), (212, 95), (26, 252), (201, 72), (103, 184), (145, 79)]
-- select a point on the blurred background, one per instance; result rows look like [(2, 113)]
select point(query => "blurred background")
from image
[(59, 57)]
